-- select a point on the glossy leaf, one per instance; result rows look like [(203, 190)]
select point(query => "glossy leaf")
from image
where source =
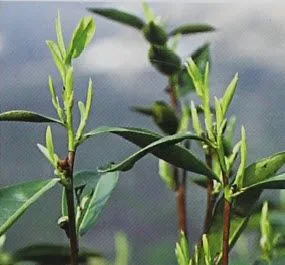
[(16, 199), (81, 37), (119, 16), (49, 254), (158, 146), (191, 29), (104, 188), (26, 116), (255, 173), (201, 56)]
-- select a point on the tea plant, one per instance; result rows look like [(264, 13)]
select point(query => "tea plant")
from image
[(232, 194)]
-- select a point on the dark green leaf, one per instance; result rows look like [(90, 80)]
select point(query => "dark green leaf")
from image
[(15, 200), (48, 254), (255, 173), (155, 34), (98, 199), (162, 147), (26, 116), (164, 60), (201, 56), (119, 16), (191, 29)]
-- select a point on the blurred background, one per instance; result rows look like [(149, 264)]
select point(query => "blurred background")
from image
[(250, 40)]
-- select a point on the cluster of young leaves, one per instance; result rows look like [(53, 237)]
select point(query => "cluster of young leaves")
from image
[(93, 189)]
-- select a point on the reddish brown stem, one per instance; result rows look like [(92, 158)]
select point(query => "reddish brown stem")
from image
[(71, 211), (226, 225)]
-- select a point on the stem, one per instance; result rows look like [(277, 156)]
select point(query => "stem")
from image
[(226, 226), (210, 197), (71, 212), (180, 185)]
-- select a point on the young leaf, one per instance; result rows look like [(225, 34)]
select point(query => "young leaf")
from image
[(185, 119), (59, 35), (200, 57), (148, 12), (98, 200), (81, 37), (219, 114), (123, 248), (49, 142), (229, 93), (56, 55), (196, 77), (49, 254), (206, 248), (26, 116), (119, 16), (166, 174), (266, 233), (229, 135), (16, 199), (191, 29), (52, 158), (241, 169)]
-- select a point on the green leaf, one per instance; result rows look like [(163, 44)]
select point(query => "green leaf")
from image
[(197, 77), (154, 34), (229, 93), (81, 37), (148, 12), (56, 55), (201, 56), (191, 29), (51, 158), (59, 35), (229, 135), (122, 249), (81, 179), (161, 147), (49, 254), (255, 173), (164, 60), (166, 174), (26, 116), (49, 142), (119, 16), (243, 155), (98, 200), (185, 119), (16, 199)]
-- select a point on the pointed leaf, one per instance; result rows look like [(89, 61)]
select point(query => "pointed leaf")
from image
[(229, 135), (81, 37), (56, 55), (154, 34), (148, 12), (162, 147), (49, 254), (26, 116), (201, 56), (16, 199), (257, 172), (119, 16), (229, 93), (104, 188), (195, 120), (191, 29), (59, 36)]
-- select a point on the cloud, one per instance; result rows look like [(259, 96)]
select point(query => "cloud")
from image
[(1, 43)]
